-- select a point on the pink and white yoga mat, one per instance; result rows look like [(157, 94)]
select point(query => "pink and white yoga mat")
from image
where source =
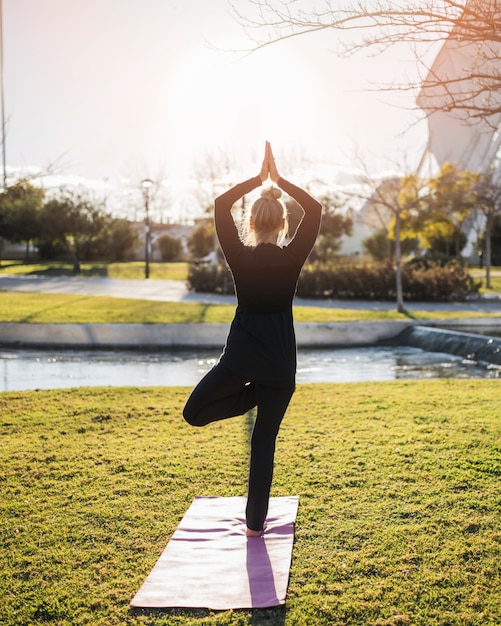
[(210, 563)]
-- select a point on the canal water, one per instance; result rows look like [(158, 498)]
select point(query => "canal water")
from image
[(36, 369)]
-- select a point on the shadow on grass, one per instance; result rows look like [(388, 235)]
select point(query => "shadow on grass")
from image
[(65, 271), (274, 616), (33, 316), (203, 312), (409, 314)]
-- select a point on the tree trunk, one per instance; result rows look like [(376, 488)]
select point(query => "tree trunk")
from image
[(488, 249), (398, 264)]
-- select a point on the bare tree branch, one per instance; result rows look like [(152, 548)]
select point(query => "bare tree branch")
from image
[(469, 27)]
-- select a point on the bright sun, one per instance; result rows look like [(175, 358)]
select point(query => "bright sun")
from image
[(220, 102)]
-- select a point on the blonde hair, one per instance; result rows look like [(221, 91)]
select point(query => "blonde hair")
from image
[(268, 215)]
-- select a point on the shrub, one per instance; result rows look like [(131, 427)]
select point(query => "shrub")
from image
[(201, 241), (435, 282), (374, 281), (170, 247), (205, 278)]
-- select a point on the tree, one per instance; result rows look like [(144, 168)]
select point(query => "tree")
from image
[(170, 247), (404, 199), (380, 247), (20, 207), (495, 240), (121, 241), (124, 240), (213, 172), (448, 205), (470, 28), (439, 246), (201, 241), (392, 200), (70, 223), (488, 202), (336, 222)]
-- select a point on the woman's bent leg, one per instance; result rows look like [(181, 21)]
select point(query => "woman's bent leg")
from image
[(220, 394), (272, 402)]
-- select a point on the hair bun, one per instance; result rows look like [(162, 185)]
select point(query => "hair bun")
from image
[(271, 193)]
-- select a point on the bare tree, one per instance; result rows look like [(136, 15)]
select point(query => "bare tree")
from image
[(392, 200), (464, 79), (488, 199), (213, 172)]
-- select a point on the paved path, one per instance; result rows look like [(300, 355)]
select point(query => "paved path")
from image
[(176, 291)]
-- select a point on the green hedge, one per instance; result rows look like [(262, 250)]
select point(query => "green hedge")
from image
[(205, 278), (374, 281)]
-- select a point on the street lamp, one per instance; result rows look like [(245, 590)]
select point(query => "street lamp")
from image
[(2, 97), (147, 183)]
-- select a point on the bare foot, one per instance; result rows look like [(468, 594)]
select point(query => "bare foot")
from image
[(253, 533)]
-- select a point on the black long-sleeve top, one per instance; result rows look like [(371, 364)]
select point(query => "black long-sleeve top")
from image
[(261, 344)]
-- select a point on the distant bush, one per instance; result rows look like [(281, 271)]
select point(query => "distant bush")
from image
[(206, 278), (369, 282), (425, 282), (376, 281), (170, 248), (201, 241), (435, 282)]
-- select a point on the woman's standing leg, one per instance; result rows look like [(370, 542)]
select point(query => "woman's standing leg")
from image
[(272, 402), (220, 394)]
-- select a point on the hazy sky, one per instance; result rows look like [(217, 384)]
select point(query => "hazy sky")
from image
[(127, 89)]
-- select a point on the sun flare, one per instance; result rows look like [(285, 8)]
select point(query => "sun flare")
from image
[(244, 102)]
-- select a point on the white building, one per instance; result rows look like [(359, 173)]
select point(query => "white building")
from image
[(459, 87)]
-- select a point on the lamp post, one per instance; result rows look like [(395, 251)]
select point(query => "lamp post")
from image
[(147, 183), (2, 98)]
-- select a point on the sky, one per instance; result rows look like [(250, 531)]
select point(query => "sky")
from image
[(115, 91)]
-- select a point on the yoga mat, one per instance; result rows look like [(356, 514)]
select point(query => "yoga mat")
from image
[(210, 563)]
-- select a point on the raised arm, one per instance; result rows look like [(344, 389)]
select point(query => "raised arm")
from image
[(226, 230), (307, 231)]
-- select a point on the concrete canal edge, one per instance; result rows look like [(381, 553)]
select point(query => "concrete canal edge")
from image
[(434, 336), (168, 336)]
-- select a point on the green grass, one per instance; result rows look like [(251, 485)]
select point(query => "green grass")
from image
[(59, 308), (495, 286), (398, 522), (495, 280), (129, 270), (77, 309)]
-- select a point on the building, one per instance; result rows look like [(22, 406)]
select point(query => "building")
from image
[(462, 85)]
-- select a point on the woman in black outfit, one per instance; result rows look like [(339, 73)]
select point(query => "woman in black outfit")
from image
[(258, 363)]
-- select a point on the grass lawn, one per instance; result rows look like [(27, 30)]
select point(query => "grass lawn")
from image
[(77, 309), (495, 286), (129, 270), (398, 520)]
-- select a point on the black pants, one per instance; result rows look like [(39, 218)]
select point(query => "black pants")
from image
[(221, 394)]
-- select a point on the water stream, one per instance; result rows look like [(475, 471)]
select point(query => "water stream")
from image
[(37, 369)]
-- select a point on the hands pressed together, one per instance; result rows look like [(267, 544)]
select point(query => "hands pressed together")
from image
[(268, 167)]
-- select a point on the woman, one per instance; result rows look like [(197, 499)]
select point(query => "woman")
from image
[(258, 364)]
